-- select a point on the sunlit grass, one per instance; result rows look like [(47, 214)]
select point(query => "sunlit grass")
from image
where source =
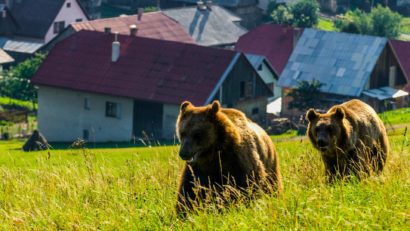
[(135, 188)]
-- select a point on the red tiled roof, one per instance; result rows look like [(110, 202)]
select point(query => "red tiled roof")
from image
[(148, 69), (152, 25), (275, 42), (402, 51)]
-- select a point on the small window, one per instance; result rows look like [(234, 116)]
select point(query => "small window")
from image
[(68, 4), (86, 104), (58, 27), (79, 20), (260, 67), (255, 111), (86, 134), (112, 109), (245, 89)]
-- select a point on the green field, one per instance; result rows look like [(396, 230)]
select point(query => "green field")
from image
[(326, 24), (405, 26), (135, 188)]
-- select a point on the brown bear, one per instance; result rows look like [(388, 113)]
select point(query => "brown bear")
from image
[(351, 138), (222, 149)]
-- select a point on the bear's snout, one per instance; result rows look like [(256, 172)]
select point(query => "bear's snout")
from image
[(322, 143), (185, 151)]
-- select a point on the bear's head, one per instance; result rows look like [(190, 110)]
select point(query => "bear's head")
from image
[(202, 131), (326, 131)]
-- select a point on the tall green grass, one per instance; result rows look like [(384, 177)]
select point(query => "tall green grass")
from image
[(5, 101), (135, 188)]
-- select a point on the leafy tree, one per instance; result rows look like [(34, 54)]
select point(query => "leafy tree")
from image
[(282, 15), (305, 13), (386, 23), (381, 21), (16, 81), (306, 95)]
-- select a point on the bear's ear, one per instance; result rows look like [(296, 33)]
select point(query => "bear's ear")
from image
[(185, 105), (339, 113), (311, 115), (215, 106)]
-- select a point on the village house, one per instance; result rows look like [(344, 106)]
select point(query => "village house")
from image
[(216, 28), (26, 25), (4, 59), (349, 66), (276, 43), (401, 50), (154, 25), (208, 25), (95, 86), (247, 10)]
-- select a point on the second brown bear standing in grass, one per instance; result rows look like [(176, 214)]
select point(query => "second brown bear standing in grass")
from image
[(222, 148), (351, 139)]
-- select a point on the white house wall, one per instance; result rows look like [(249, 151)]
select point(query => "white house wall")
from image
[(69, 15), (62, 116), (268, 77), (169, 119)]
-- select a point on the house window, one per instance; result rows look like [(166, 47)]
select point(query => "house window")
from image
[(86, 134), (260, 67), (68, 4), (255, 111), (79, 20), (86, 104), (246, 89), (59, 26), (112, 109)]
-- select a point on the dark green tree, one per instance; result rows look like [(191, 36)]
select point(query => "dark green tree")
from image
[(16, 81), (381, 21), (305, 13), (305, 96), (282, 15), (385, 22)]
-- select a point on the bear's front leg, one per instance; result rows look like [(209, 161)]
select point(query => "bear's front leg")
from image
[(186, 193)]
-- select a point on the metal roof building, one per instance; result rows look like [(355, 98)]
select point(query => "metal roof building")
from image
[(342, 62), (215, 27)]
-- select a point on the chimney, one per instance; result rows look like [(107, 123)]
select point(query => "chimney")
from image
[(208, 5), (140, 12), (115, 55), (107, 30), (200, 5), (133, 30)]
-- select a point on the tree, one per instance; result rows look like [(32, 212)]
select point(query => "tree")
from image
[(282, 15), (386, 23), (16, 81), (306, 95), (305, 13), (381, 21)]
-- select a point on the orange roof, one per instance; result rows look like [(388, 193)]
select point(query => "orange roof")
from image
[(152, 25)]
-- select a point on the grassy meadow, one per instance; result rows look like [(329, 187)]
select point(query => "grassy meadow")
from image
[(135, 188)]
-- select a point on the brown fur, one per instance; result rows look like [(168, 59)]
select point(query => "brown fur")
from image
[(351, 139), (227, 149)]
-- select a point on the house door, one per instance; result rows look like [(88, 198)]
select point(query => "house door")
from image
[(147, 120)]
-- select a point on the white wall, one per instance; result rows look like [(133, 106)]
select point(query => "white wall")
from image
[(69, 15), (62, 116), (268, 77), (169, 120)]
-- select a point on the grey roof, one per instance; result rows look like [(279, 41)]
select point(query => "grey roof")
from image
[(208, 28), (35, 17), (342, 62), (228, 3), (385, 93), (19, 45), (5, 58)]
